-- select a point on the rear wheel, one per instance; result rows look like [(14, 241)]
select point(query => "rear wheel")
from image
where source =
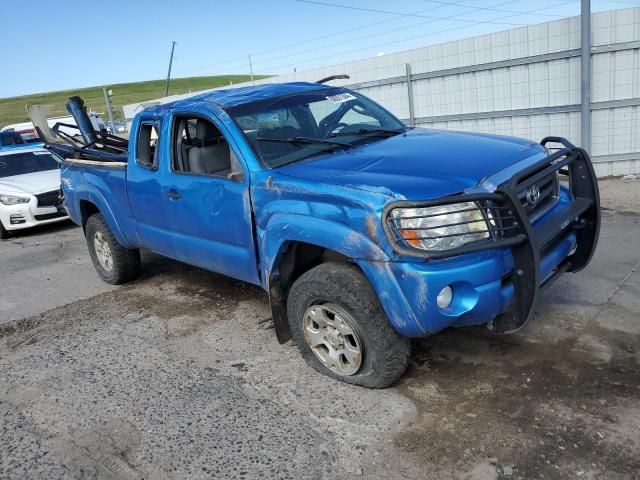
[(341, 330), (114, 263)]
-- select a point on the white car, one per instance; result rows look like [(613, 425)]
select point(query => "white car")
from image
[(29, 189), (28, 132)]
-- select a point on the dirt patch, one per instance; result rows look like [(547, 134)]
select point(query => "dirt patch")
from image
[(185, 297), (534, 410), (19, 326), (620, 194), (102, 392)]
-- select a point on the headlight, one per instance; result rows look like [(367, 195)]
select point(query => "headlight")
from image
[(13, 199), (442, 227)]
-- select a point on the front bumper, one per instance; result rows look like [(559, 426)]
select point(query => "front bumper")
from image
[(27, 215), (499, 280)]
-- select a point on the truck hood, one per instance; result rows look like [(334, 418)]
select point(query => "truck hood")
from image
[(37, 182), (419, 165)]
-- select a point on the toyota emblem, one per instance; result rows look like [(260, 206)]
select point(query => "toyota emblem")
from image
[(533, 195)]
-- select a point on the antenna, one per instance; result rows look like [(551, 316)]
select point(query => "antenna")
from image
[(166, 85), (333, 77)]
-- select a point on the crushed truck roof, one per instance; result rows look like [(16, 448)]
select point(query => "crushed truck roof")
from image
[(231, 97)]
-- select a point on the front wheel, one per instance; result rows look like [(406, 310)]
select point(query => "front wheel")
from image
[(341, 330), (3, 232), (114, 263)]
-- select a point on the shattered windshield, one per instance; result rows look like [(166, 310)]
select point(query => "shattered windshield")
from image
[(296, 127)]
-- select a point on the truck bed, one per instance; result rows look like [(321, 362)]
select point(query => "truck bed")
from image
[(103, 184), (79, 141)]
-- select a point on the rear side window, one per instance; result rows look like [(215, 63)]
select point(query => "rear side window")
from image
[(146, 149)]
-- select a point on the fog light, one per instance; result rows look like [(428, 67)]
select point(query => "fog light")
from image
[(17, 219), (444, 297)]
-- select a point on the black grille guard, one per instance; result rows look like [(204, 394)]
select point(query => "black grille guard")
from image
[(582, 215)]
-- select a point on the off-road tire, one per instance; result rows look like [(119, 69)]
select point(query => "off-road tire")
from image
[(4, 234), (126, 261), (385, 353)]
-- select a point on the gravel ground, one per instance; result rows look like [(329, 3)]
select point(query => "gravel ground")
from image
[(179, 375)]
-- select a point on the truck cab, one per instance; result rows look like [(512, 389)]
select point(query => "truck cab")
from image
[(363, 231)]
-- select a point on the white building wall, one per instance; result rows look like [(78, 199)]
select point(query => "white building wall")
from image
[(494, 100)]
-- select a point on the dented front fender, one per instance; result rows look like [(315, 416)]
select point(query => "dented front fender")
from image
[(283, 228)]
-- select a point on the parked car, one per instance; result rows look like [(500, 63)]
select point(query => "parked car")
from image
[(29, 189), (364, 232), (13, 140), (12, 137), (66, 123)]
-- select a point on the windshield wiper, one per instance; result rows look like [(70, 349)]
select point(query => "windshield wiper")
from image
[(305, 141), (377, 132), (323, 144)]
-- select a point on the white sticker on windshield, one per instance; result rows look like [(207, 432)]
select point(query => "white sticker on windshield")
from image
[(41, 153), (340, 98)]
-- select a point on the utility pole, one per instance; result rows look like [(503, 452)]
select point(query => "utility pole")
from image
[(412, 114), (585, 75), (107, 101), (251, 69), (166, 85)]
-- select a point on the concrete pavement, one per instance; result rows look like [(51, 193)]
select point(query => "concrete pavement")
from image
[(179, 375)]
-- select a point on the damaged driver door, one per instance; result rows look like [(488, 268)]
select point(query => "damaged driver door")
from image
[(205, 196)]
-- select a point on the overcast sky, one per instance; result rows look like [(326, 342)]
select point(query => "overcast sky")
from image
[(72, 43)]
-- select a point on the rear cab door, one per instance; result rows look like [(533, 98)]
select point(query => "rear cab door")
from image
[(205, 201)]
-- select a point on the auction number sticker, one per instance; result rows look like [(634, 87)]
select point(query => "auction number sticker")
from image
[(340, 98)]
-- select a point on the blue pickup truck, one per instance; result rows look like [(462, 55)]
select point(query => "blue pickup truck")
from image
[(363, 231)]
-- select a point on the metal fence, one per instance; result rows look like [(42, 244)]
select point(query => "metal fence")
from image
[(525, 82)]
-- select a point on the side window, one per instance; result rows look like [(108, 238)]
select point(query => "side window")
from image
[(146, 148), (200, 148)]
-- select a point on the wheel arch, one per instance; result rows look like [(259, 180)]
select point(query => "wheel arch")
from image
[(87, 208), (91, 204), (293, 244)]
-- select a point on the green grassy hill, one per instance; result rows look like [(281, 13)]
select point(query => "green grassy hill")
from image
[(12, 110)]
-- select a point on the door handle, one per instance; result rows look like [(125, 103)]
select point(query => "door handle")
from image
[(173, 194)]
